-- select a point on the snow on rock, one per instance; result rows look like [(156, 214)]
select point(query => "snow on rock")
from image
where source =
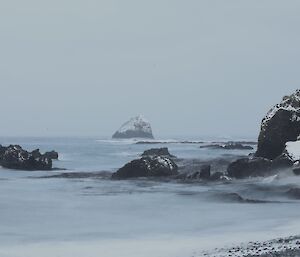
[(293, 150), (288, 103), (137, 127), (154, 166), (15, 157), (280, 125)]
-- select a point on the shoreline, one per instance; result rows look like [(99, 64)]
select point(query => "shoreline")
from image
[(281, 247), (169, 247)]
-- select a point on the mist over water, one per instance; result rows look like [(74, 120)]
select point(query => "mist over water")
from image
[(56, 216)]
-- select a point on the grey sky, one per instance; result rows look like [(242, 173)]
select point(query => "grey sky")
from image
[(191, 67)]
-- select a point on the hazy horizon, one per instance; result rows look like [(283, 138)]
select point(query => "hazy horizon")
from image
[(193, 68)]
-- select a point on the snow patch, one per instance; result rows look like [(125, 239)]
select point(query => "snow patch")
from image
[(293, 150), (166, 162)]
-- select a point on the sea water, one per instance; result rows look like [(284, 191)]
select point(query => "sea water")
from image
[(46, 216)]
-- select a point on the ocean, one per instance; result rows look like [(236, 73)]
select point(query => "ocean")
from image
[(46, 215)]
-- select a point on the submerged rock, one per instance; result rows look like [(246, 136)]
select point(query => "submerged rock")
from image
[(204, 173), (228, 146), (294, 193), (281, 124), (296, 171), (164, 151), (218, 176), (234, 197), (15, 157), (137, 127), (150, 166)]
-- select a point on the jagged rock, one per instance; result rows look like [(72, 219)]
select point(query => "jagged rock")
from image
[(150, 166), (249, 167), (51, 155), (15, 157), (36, 153), (137, 127), (281, 124), (158, 151)]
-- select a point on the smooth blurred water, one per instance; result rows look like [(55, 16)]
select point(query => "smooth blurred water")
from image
[(99, 213)]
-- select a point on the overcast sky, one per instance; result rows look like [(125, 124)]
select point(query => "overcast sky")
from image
[(191, 67)]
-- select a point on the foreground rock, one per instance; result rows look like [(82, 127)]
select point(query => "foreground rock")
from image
[(15, 157), (164, 151), (249, 167), (150, 166), (258, 166), (137, 127), (280, 125), (282, 162)]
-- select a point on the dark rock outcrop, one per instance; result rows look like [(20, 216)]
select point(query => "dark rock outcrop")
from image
[(137, 127), (258, 167), (150, 166), (15, 157), (249, 167), (281, 124), (164, 151)]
